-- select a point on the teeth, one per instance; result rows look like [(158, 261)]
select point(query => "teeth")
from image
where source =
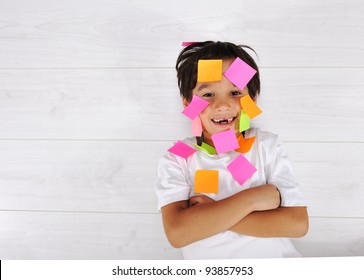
[(223, 120)]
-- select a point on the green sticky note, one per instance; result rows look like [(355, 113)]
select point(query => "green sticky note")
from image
[(244, 121), (206, 148)]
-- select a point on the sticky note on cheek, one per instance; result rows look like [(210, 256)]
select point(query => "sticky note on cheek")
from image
[(244, 123), (197, 127), (209, 70), (206, 181), (249, 106), (196, 106)]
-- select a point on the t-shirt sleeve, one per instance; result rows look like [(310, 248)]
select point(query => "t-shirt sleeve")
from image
[(171, 185), (280, 174)]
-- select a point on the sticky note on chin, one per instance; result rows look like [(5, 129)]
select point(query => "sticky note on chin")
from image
[(206, 181), (239, 73), (196, 106), (209, 70), (241, 169), (225, 141)]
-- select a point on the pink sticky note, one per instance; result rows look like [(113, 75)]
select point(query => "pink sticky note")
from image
[(196, 127), (239, 73), (196, 106), (186, 44), (182, 150), (241, 169), (225, 141)]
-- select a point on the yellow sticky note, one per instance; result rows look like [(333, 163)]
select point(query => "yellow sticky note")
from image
[(249, 106), (209, 70), (206, 181)]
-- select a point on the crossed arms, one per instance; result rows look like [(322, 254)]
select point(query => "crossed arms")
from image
[(254, 211)]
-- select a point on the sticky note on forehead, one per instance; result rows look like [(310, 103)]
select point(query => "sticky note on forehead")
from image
[(206, 181), (239, 73), (241, 169), (249, 106), (196, 106), (209, 70), (225, 141), (181, 149)]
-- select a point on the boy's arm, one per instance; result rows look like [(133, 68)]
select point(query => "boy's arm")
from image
[(280, 222), (184, 225)]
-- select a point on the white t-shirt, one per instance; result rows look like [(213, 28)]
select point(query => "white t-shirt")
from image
[(175, 180)]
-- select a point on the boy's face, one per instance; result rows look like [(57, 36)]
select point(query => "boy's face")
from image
[(223, 111)]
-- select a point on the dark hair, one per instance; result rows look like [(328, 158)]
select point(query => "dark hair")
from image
[(188, 58)]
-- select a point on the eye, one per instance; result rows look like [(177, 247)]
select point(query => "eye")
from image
[(235, 93), (207, 94)]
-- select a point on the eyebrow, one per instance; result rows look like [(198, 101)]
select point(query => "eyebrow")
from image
[(201, 87)]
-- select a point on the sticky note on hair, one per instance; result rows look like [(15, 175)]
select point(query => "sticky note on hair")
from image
[(244, 123), (240, 73), (225, 141), (241, 169), (249, 106), (209, 70), (206, 181), (196, 106), (245, 144), (181, 149), (186, 44)]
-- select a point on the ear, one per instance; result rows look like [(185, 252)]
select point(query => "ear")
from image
[(185, 102)]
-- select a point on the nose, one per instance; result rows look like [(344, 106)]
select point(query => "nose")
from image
[(222, 105)]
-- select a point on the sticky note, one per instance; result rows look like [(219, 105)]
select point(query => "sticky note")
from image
[(196, 106), (241, 169), (244, 121), (206, 181), (197, 127), (209, 70), (249, 106), (225, 141), (186, 44), (239, 73), (181, 149), (245, 144), (206, 148)]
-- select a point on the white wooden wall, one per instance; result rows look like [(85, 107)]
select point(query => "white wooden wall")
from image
[(89, 101)]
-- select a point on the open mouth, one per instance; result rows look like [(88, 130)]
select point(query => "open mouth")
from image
[(223, 121)]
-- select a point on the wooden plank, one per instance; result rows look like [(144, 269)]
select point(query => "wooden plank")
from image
[(112, 176), (42, 235), (126, 104), (332, 237), (94, 34)]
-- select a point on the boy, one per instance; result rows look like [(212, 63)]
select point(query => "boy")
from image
[(249, 219)]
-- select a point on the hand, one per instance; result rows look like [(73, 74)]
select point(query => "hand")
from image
[(265, 197), (199, 199)]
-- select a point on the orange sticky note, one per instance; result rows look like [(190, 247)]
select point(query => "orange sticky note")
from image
[(245, 144), (209, 70), (206, 181), (249, 106)]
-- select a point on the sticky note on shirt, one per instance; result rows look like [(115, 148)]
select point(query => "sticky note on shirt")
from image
[(249, 106), (209, 70), (241, 169), (239, 73), (206, 148), (225, 141), (244, 123), (181, 149), (196, 106), (206, 181), (245, 144)]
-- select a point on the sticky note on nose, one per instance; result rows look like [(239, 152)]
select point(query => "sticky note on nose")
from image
[(206, 181), (239, 73), (249, 106), (209, 70)]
